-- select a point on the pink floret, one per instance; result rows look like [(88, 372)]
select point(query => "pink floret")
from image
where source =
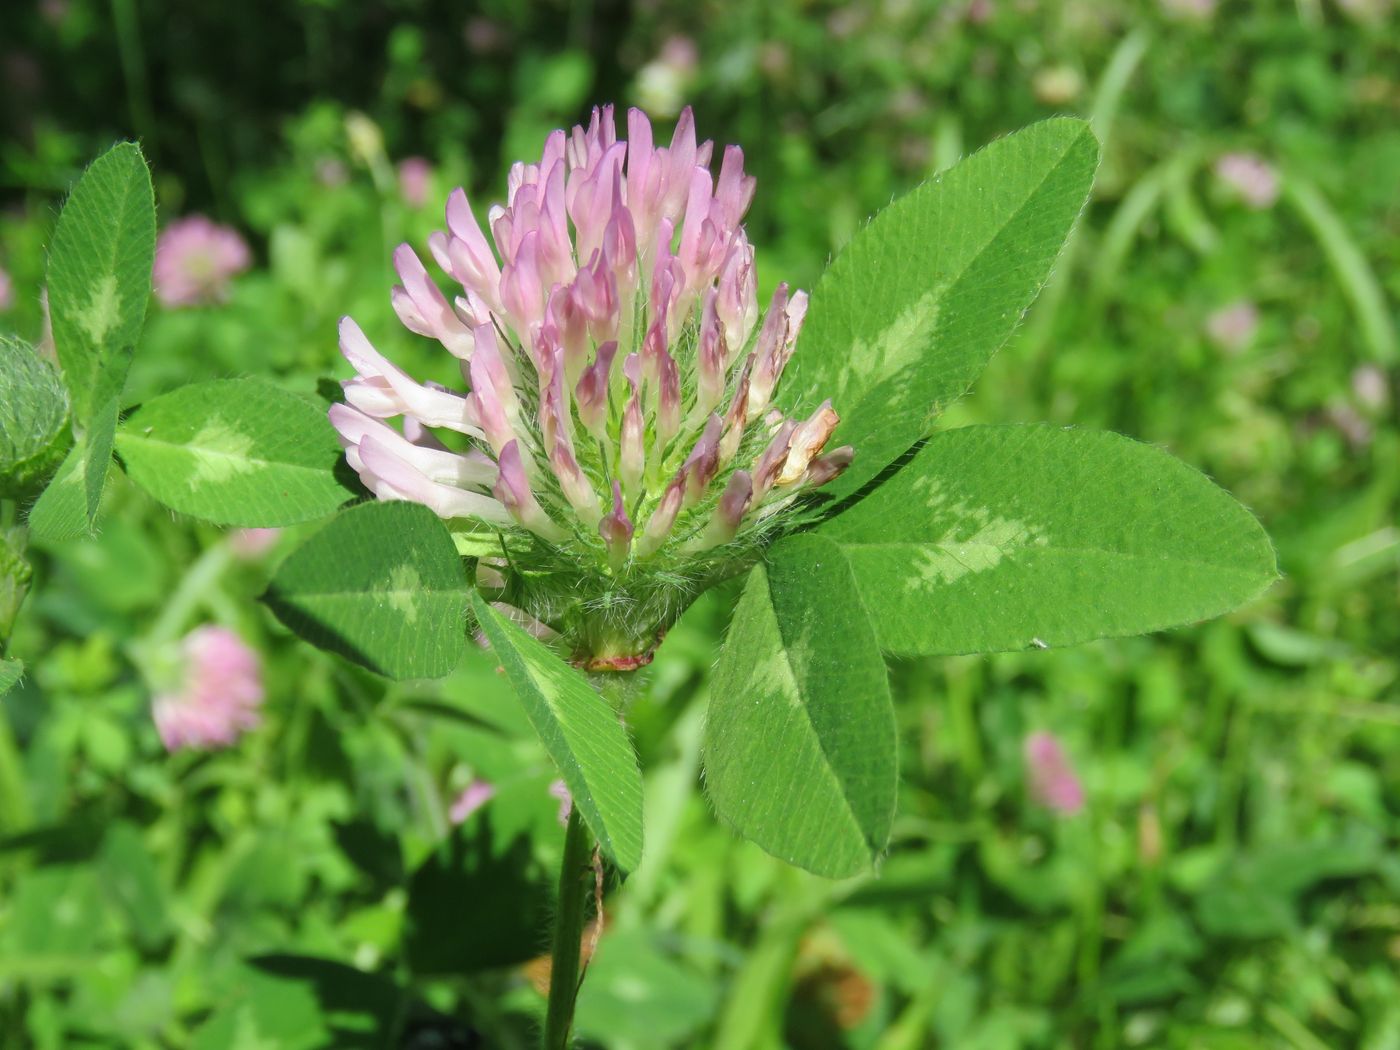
[(219, 696), (196, 261), (1053, 781)]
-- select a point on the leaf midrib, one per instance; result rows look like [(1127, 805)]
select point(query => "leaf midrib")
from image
[(1043, 549), (606, 837), (128, 182), (435, 592), (258, 462), (971, 261), (827, 765), (507, 651)]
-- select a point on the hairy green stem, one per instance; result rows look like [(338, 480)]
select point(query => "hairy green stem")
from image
[(575, 879), (568, 934)]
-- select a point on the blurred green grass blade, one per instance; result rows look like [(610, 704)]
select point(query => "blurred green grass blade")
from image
[(1010, 537), (910, 312), (669, 792), (637, 995), (1354, 274), (16, 812), (1113, 85), (381, 585), (752, 1017), (240, 452), (1133, 211), (800, 744), (581, 732), (99, 272), (1183, 211), (1103, 113)]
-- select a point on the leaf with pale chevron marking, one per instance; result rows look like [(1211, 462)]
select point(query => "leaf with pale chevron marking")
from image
[(1011, 537), (913, 308), (236, 452), (580, 730), (800, 746), (381, 585)]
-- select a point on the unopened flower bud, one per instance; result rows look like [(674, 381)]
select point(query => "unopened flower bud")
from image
[(702, 464), (828, 467), (662, 520), (808, 440), (592, 391), (770, 464), (734, 502), (616, 530), (632, 460)]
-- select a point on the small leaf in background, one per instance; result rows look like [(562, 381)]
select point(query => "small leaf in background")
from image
[(295, 1002), (33, 420), (911, 311), (638, 995), (1008, 537), (10, 672), (482, 900), (800, 745), (581, 732), (131, 880), (99, 275), (57, 911), (235, 452), (382, 585)]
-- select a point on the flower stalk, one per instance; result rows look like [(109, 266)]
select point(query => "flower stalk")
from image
[(575, 878)]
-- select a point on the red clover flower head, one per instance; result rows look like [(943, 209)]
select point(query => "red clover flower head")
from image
[(617, 399)]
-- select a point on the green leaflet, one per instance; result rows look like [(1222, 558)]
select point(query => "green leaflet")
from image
[(235, 452), (910, 312), (68, 507), (10, 672), (1006, 537), (33, 420), (800, 748), (382, 585), (15, 577), (102, 429), (581, 732), (99, 273), (60, 512)]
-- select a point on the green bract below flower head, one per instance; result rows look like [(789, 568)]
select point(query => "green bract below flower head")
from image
[(614, 447)]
